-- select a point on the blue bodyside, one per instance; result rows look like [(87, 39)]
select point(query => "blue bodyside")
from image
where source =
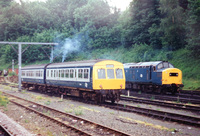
[(30, 80), (75, 84), (142, 76)]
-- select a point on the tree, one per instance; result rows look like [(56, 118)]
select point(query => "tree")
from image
[(144, 16), (5, 3), (172, 24), (193, 27)]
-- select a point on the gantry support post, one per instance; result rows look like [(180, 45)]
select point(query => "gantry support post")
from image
[(20, 66)]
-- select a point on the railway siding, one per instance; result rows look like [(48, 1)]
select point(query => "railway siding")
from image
[(85, 126), (13, 128)]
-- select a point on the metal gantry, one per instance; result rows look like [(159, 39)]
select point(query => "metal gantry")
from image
[(20, 54)]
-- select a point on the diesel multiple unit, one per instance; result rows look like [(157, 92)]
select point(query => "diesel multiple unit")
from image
[(98, 80)]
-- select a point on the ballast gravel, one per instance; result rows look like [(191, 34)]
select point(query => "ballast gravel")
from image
[(131, 123)]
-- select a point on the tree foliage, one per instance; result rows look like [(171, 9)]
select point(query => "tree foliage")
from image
[(193, 27), (167, 25)]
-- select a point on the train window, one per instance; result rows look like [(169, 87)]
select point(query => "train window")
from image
[(67, 73), (80, 73), (160, 66), (119, 73), (54, 73), (47, 73), (165, 64), (109, 66), (110, 73), (51, 73), (23, 73), (37, 73), (86, 73), (101, 73), (71, 73), (62, 74), (171, 66), (57, 73)]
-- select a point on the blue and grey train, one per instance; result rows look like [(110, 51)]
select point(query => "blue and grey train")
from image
[(98, 80), (157, 76)]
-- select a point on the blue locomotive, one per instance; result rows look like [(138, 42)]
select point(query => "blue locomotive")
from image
[(157, 76)]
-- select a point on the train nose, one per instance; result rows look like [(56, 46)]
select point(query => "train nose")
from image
[(172, 76)]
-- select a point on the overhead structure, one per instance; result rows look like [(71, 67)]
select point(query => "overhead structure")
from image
[(20, 54)]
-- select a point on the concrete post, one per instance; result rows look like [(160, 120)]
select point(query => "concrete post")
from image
[(13, 69), (20, 62)]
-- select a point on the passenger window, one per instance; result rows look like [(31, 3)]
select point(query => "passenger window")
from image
[(86, 73), (62, 74), (66, 73), (110, 73), (71, 73), (119, 73), (80, 73), (101, 74)]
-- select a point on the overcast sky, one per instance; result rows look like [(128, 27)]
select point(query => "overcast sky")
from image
[(122, 4)]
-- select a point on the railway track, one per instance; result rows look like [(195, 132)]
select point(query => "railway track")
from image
[(180, 106), (78, 125), (4, 131), (163, 115), (176, 98)]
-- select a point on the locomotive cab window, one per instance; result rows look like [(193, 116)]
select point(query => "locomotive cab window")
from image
[(101, 73), (119, 73), (110, 74)]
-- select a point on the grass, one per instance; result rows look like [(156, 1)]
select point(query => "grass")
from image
[(78, 111), (68, 110), (47, 102), (39, 97), (112, 113), (3, 100)]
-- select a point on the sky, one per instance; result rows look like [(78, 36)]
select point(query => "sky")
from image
[(121, 4)]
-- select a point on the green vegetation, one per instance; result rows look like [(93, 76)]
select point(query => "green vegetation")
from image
[(78, 111), (48, 102), (148, 30), (3, 100)]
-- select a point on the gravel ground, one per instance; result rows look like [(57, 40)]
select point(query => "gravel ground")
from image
[(131, 123)]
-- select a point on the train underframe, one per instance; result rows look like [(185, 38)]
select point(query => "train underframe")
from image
[(161, 89), (99, 96)]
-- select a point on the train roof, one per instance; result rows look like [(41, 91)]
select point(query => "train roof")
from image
[(75, 63), (142, 64), (65, 64), (41, 66)]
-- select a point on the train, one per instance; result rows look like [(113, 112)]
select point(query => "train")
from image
[(156, 76), (97, 80)]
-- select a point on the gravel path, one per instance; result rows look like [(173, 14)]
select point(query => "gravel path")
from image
[(131, 123)]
